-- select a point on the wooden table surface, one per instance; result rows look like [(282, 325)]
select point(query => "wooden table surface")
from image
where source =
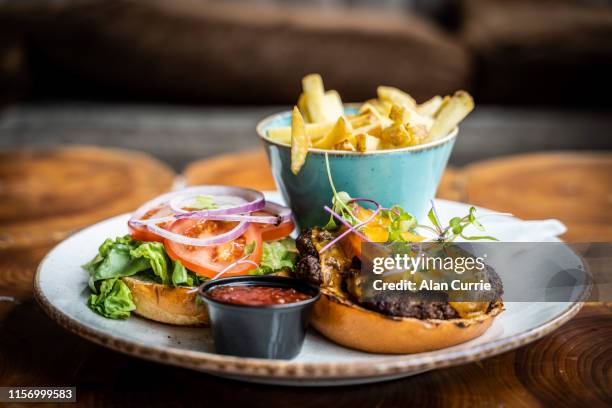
[(571, 367)]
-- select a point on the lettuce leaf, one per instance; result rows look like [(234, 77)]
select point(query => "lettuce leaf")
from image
[(181, 276), (114, 300), (114, 260), (277, 256), (155, 253)]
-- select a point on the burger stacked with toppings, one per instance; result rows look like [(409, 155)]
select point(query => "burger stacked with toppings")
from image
[(331, 257), (181, 240)]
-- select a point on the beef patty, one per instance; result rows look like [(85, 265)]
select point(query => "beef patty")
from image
[(389, 303)]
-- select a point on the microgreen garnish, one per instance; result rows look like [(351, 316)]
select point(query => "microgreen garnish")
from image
[(340, 201), (456, 226), (204, 202), (249, 248), (401, 221)]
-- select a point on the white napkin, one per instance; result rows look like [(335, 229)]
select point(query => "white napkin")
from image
[(510, 229)]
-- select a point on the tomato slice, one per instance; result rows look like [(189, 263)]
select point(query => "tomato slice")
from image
[(141, 232), (271, 232), (208, 261)]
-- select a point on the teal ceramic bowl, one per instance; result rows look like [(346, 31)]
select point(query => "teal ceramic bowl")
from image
[(408, 176)]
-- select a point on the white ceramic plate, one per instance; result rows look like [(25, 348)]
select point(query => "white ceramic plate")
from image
[(61, 289)]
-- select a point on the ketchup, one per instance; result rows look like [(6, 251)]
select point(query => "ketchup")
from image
[(256, 295)]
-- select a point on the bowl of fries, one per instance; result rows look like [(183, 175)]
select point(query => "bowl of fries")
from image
[(390, 148)]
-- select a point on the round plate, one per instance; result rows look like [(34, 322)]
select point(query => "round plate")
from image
[(61, 289)]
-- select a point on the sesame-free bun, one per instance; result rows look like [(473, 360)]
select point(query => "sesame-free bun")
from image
[(166, 304), (350, 325)]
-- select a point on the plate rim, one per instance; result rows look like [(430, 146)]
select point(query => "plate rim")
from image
[(288, 369)]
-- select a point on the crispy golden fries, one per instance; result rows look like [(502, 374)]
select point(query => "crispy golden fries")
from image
[(395, 96), (315, 132), (453, 111), (299, 141), (341, 133), (366, 142), (318, 105), (392, 120), (430, 107), (333, 105)]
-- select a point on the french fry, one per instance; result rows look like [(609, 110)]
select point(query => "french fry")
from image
[(392, 120), (373, 110), (398, 114), (409, 117), (450, 114), (443, 104), (315, 132), (314, 95), (373, 129), (418, 134), (345, 145), (384, 107), (342, 131), (366, 142), (299, 141), (333, 105), (365, 119), (369, 120), (431, 106), (320, 106), (396, 135), (395, 96), (303, 108)]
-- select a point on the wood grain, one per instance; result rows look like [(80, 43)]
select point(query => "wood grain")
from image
[(246, 169), (570, 367), (575, 188), (47, 194)]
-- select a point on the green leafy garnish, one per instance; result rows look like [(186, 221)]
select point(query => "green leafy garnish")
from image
[(204, 202), (401, 221), (114, 260), (456, 226), (277, 256), (340, 201), (113, 301), (249, 248), (434, 219), (155, 253), (123, 257), (181, 276)]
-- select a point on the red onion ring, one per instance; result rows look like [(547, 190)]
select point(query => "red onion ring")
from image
[(282, 214), (254, 201), (250, 201), (163, 199), (153, 221), (216, 240), (350, 227)]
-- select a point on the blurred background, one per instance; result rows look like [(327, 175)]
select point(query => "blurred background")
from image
[(187, 79)]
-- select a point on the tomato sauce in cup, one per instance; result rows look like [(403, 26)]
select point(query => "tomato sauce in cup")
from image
[(256, 295), (259, 316)]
